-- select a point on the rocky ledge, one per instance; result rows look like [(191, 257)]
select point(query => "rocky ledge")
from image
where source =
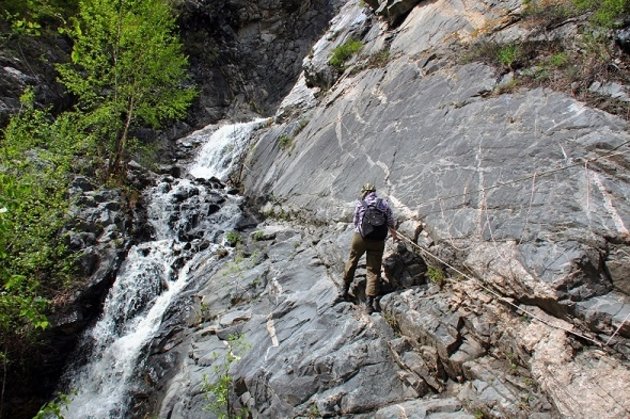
[(268, 322)]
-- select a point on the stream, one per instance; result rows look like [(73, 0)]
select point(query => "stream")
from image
[(187, 215)]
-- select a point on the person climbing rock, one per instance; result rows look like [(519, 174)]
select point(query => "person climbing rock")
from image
[(373, 219)]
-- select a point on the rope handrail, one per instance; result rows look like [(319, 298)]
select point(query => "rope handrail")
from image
[(501, 297), (480, 283)]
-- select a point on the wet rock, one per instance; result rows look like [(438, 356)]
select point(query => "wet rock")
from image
[(622, 38), (243, 55)]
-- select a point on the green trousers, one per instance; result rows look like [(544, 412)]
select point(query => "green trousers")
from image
[(373, 250)]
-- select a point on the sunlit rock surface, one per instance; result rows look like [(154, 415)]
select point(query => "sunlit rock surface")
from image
[(510, 298)]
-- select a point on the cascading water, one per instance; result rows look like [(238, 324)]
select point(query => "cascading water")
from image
[(186, 215)]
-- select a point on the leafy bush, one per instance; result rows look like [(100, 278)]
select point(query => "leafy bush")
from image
[(218, 393), (284, 142), (508, 55), (605, 12), (232, 238), (35, 162), (343, 53)]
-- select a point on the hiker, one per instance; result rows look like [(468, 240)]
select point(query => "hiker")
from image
[(373, 218)]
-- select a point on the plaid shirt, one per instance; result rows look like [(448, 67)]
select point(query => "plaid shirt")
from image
[(369, 199)]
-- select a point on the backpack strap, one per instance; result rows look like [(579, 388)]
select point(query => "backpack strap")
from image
[(378, 203)]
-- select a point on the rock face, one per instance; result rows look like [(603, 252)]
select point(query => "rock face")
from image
[(529, 197), (508, 296), (522, 202), (393, 10), (520, 194), (28, 62), (243, 53), (100, 236), (294, 352)]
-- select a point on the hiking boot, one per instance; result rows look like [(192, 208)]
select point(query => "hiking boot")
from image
[(369, 305), (376, 305), (344, 294)]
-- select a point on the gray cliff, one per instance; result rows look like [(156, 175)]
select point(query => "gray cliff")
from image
[(508, 296)]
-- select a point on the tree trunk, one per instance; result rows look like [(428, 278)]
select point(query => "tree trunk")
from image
[(118, 164)]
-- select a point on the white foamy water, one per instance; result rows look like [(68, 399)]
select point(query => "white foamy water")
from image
[(122, 331), (221, 151), (148, 282)]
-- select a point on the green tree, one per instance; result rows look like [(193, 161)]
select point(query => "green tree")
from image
[(35, 160), (127, 70), (32, 17)]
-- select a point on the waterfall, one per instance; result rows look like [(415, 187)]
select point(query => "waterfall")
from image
[(219, 155), (183, 213)]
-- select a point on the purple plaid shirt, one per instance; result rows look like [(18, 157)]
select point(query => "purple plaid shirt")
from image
[(371, 198)]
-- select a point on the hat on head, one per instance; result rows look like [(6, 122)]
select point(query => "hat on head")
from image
[(368, 187)]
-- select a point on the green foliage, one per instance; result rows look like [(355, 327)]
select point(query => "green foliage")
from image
[(127, 70), (35, 159), (39, 9), (259, 235), (606, 13), (508, 55), (232, 238), (53, 409), (558, 60), (436, 275), (504, 55), (313, 412), (217, 393), (285, 142), (549, 12), (343, 53), (25, 27), (33, 17)]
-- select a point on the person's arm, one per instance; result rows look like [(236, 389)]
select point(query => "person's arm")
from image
[(357, 215), (391, 224)]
